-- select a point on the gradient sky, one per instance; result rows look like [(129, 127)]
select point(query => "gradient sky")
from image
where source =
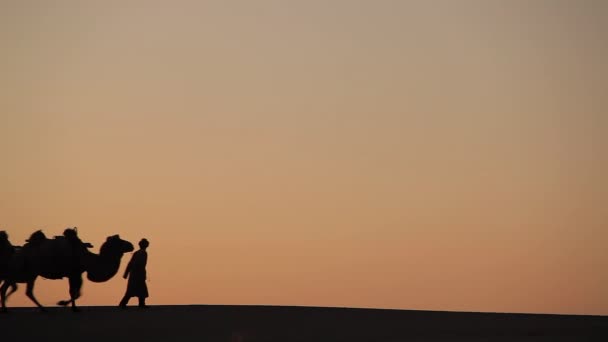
[(439, 155)]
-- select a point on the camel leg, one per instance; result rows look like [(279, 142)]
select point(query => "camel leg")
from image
[(29, 292), (75, 286), (3, 295), (13, 287)]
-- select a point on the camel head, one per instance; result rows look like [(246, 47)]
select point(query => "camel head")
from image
[(4, 238), (103, 267), (5, 246), (115, 245)]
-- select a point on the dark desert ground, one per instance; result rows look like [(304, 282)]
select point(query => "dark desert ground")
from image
[(284, 323)]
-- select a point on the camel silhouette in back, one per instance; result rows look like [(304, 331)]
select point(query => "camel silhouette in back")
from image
[(61, 257), (6, 252)]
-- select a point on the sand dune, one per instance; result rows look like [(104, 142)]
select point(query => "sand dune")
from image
[(275, 323)]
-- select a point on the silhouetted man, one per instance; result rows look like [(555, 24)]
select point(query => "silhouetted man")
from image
[(136, 272)]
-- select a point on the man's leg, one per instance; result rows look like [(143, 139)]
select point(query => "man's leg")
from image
[(124, 301), (142, 302)]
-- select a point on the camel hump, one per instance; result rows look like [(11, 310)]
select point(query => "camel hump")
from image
[(58, 246), (60, 238), (66, 241), (37, 236)]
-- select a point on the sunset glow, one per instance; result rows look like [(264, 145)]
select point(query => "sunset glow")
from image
[(436, 155)]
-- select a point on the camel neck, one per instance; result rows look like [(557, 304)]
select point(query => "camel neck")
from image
[(103, 267)]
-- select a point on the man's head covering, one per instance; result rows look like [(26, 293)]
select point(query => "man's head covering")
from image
[(144, 243)]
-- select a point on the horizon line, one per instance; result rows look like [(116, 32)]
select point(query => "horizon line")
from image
[(57, 307)]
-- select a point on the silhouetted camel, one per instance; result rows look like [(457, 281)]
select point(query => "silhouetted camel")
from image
[(6, 252), (59, 258)]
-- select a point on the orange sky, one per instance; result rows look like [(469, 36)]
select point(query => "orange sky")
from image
[(435, 155)]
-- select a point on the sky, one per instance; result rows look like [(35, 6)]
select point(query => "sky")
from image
[(431, 155)]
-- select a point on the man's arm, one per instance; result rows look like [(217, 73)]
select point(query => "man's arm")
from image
[(145, 262)]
